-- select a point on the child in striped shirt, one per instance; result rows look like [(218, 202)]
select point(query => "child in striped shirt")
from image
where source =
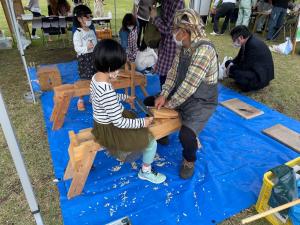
[(115, 128)]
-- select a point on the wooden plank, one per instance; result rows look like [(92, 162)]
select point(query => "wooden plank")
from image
[(164, 113), (241, 108), (285, 136), (163, 127)]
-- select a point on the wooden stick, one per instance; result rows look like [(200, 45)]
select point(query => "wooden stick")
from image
[(271, 211)]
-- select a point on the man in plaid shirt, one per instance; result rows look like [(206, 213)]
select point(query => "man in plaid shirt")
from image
[(191, 84), (167, 46)]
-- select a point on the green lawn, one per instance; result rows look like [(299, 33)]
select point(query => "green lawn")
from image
[(122, 8), (283, 95)]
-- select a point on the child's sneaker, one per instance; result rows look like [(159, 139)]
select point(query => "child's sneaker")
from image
[(152, 176), (80, 105)]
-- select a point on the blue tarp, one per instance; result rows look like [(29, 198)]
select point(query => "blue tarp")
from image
[(228, 175)]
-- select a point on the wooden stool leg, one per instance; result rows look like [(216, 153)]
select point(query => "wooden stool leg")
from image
[(62, 108), (55, 108), (144, 90), (69, 173), (81, 174)]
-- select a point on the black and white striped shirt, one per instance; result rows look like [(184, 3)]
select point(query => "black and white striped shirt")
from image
[(107, 107)]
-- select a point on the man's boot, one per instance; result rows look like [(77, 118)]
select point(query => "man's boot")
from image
[(186, 169)]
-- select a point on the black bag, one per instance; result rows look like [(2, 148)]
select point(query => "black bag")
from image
[(152, 35)]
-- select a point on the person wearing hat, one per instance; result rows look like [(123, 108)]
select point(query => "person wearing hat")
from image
[(191, 84)]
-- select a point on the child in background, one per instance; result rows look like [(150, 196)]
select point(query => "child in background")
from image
[(63, 8), (128, 35), (117, 129), (84, 40)]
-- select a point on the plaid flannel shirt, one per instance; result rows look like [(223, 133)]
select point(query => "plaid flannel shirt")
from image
[(132, 48), (203, 68), (167, 47)]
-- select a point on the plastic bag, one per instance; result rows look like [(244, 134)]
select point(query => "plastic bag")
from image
[(284, 48), (25, 43), (294, 212), (222, 69), (5, 42), (285, 188), (145, 59)]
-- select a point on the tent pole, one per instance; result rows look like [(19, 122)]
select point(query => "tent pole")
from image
[(20, 47), (115, 17), (19, 162)]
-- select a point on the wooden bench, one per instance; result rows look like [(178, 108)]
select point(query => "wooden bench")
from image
[(83, 150), (49, 77), (63, 94)]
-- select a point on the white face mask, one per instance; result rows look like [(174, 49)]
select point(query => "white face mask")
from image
[(88, 23), (237, 44), (130, 28), (178, 43), (114, 75)]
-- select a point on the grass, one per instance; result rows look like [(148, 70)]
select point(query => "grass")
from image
[(283, 95)]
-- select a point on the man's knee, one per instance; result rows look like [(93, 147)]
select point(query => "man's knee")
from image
[(187, 136)]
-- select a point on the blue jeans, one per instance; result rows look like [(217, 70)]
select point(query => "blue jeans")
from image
[(149, 152), (276, 20)]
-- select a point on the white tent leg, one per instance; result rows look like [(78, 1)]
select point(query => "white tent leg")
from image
[(115, 4), (19, 162), (12, 15)]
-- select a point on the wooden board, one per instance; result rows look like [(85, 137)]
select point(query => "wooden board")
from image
[(241, 108), (164, 113), (163, 127), (284, 135)]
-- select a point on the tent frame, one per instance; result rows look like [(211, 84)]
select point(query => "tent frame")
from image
[(19, 162)]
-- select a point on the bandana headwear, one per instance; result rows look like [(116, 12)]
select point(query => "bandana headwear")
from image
[(194, 24)]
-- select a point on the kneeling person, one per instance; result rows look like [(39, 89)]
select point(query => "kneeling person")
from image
[(253, 68)]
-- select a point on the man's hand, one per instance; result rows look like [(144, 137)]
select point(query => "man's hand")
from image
[(148, 121), (153, 12), (160, 101), (228, 68), (130, 99)]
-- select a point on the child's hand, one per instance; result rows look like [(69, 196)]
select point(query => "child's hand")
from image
[(148, 121), (130, 99), (90, 45)]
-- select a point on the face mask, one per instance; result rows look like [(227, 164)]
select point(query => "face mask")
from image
[(178, 43), (88, 23), (130, 28), (114, 75), (237, 44)]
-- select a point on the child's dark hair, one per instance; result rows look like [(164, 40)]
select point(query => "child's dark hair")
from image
[(128, 20), (79, 11), (109, 56)]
